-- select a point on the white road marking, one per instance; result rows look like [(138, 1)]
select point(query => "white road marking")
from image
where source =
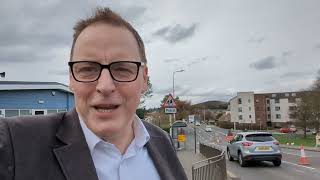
[(299, 165)]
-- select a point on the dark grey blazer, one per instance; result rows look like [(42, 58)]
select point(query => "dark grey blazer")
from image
[(54, 147)]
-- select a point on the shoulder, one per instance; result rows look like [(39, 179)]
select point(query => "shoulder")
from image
[(155, 131), (31, 126)]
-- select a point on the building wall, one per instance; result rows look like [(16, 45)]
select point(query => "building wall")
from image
[(284, 111), (260, 109), (48, 100), (242, 108), (269, 109)]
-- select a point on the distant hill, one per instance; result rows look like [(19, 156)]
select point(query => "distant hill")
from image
[(212, 105)]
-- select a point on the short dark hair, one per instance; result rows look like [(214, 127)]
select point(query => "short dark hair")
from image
[(106, 15)]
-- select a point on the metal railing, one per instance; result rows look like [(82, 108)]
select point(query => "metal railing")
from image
[(213, 168)]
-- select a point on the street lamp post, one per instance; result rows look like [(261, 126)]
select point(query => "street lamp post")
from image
[(173, 81), (174, 115)]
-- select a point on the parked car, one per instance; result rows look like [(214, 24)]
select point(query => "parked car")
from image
[(197, 123), (208, 129), (288, 129), (313, 132), (254, 146), (292, 128), (284, 130)]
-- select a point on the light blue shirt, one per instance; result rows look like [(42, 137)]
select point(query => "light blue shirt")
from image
[(110, 164)]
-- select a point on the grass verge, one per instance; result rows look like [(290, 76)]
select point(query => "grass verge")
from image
[(297, 139)]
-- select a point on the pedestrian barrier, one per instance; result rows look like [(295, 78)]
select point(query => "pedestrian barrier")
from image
[(213, 168), (303, 160)]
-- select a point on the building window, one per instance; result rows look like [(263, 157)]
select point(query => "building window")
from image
[(292, 108), (249, 100), (293, 94), (286, 94), (11, 112), (274, 95), (257, 100), (278, 116), (277, 108), (269, 116), (277, 100), (51, 111), (291, 100), (240, 117), (240, 109), (239, 101), (268, 101), (25, 112), (249, 108), (250, 116), (268, 108)]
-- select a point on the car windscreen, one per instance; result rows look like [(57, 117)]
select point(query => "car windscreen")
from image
[(259, 137)]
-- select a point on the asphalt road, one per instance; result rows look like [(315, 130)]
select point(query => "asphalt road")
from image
[(289, 169)]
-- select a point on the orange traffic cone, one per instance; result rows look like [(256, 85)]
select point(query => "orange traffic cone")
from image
[(303, 159)]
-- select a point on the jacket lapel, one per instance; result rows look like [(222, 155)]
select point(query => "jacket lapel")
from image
[(158, 158), (74, 156)]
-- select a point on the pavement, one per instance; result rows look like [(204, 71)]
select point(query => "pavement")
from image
[(315, 149), (187, 158)]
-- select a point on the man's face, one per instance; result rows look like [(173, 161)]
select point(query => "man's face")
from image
[(106, 106)]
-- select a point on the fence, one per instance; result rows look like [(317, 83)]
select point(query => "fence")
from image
[(213, 168)]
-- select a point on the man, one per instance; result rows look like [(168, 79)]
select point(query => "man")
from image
[(102, 138)]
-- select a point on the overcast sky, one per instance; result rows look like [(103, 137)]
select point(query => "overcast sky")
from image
[(223, 46)]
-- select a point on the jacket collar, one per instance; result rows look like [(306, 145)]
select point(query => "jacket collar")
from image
[(74, 156)]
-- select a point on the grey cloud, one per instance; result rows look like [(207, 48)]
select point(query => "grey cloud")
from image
[(30, 31), (59, 72), (317, 46), (162, 31), (176, 33), (286, 53), (198, 60), (264, 63), (256, 40), (296, 74), (133, 14), (170, 60), (21, 54), (42, 26)]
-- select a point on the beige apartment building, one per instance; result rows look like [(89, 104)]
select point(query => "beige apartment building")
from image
[(267, 109)]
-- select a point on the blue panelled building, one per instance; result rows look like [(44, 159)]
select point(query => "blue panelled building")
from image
[(21, 98)]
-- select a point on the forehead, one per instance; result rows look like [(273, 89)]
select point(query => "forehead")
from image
[(105, 41)]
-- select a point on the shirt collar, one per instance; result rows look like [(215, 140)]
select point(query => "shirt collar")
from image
[(140, 132)]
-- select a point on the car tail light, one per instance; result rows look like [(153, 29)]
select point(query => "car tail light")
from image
[(246, 144), (276, 143)]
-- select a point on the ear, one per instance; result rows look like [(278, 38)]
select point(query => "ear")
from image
[(145, 79), (70, 82)]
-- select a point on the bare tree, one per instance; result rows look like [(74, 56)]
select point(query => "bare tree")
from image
[(303, 111)]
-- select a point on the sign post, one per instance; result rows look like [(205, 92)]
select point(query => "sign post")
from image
[(170, 108)]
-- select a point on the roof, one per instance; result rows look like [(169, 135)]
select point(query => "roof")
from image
[(28, 85)]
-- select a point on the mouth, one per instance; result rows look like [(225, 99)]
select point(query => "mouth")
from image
[(106, 108)]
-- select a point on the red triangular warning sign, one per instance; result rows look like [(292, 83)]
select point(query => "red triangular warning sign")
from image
[(169, 103)]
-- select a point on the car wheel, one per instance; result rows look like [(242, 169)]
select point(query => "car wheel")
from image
[(276, 163), (229, 155), (242, 162)]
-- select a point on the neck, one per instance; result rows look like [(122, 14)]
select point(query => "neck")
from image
[(123, 140)]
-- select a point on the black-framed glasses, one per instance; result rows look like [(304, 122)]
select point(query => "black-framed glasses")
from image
[(89, 71)]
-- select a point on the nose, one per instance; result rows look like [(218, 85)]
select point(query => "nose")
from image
[(105, 83)]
